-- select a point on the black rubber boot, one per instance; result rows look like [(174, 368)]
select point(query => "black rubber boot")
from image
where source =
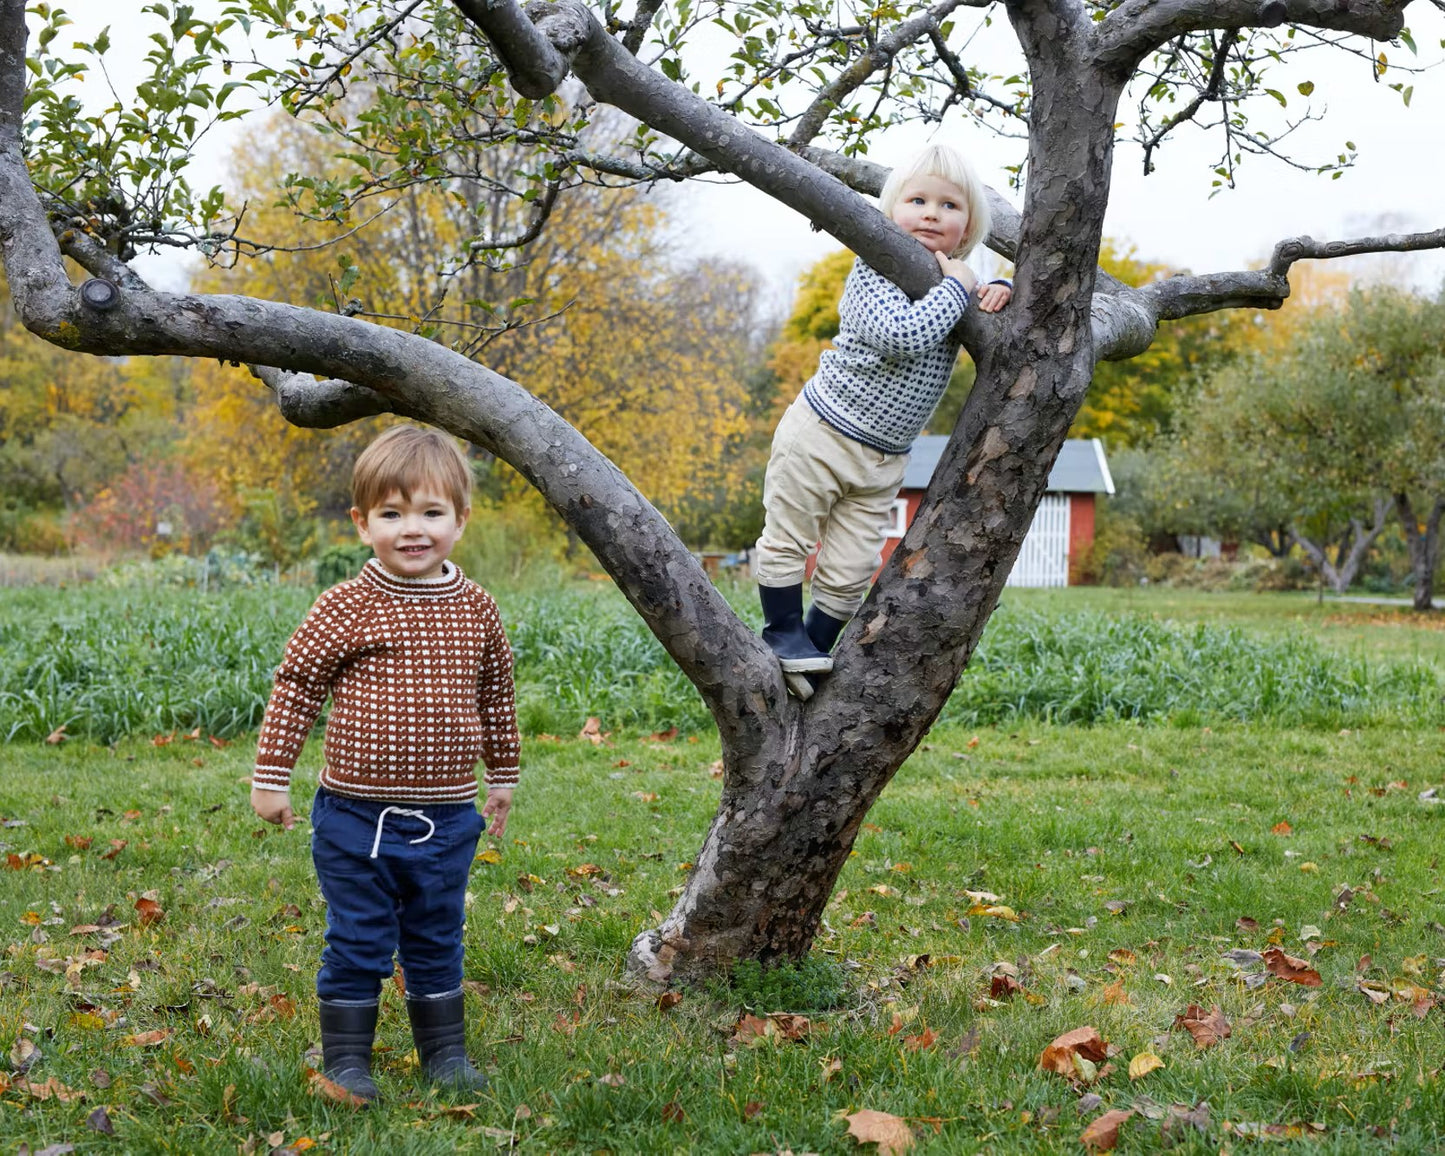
[(783, 631), (823, 629), (439, 1028), (346, 1036)]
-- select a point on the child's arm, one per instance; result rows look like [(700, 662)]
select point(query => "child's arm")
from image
[(881, 314), (501, 744), (303, 680)]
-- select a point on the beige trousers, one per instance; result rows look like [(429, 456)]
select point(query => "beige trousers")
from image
[(822, 487)]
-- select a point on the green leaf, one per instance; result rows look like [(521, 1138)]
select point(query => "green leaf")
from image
[(1407, 94), (1279, 96), (1409, 41), (671, 68), (1306, 87), (102, 42)]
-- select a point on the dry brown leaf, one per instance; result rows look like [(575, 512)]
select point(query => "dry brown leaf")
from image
[(1288, 967), (146, 1039), (672, 1112), (1103, 1131), (668, 1000), (1282, 829), (328, 1089), (612, 1080), (51, 1087), (1114, 993), (150, 911), (924, 1040), (1207, 1030), (891, 1133), (592, 731)]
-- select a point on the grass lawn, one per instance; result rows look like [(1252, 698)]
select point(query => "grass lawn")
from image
[(1359, 629), (160, 947)]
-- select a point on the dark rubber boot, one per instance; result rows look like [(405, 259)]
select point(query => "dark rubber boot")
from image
[(439, 1028), (783, 631), (823, 629), (346, 1036)]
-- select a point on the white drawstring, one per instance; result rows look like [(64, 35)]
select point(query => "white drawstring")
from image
[(385, 811)]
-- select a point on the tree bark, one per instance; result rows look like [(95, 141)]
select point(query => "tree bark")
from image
[(1423, 539)]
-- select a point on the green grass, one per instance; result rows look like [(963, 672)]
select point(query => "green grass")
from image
[(110, 663), (1105, 840)]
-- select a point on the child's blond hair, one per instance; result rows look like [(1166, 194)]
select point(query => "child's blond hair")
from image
[(948, 164), (407, 458)]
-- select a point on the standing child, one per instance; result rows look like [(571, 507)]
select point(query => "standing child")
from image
[(419, 673), (840, 449)]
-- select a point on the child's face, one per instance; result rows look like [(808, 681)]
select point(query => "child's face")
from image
[(412, 538), (934, 211)]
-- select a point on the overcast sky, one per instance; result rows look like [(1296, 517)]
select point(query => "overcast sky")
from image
[(1398, 182)]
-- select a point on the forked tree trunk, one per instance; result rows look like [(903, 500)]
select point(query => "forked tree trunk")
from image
[(789, 815)]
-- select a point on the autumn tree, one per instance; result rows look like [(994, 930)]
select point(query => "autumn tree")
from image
[(798, 777)]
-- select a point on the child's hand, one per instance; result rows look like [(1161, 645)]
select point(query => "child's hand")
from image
[(956, 269), (496, 809), (992, 298), (273, 806)]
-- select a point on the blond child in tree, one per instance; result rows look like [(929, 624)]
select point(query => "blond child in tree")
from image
[(840, 450), (419, 673)]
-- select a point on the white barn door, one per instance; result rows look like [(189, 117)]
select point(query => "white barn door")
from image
[(1044, 558)]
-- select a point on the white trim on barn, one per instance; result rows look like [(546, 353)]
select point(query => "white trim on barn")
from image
[(1044, 557)]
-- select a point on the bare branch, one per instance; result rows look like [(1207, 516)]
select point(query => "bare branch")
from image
[(1286, 253), (313, 90), (641, 22), (879, 55), (1210, 91), (1137, 27)]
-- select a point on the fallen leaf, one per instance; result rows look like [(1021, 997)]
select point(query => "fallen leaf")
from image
[(57, 736), (668, 1000), (1114, 993), (1103, 1131), (1290, 968), (1144, 1063), (612, 1080), (890, 1133), (99, 1121), (672, 1111), (146, 1039), (1207, 1030), (329, 1089), (23, 1054), (1283, 830), (490, 855), (150, 911), (1083, 1042), (592, 731), (925, 1039)]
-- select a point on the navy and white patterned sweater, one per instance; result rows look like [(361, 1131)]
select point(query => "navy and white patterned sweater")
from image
[(890, 362)]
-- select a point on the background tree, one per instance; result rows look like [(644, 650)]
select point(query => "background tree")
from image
[(798, 779)]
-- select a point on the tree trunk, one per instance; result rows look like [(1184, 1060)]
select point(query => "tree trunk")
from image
[(1424, 542), (789, 816)]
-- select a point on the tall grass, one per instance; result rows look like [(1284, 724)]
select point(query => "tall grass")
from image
[(107, 663)]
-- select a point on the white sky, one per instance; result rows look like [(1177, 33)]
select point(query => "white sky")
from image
[(1168, 216)]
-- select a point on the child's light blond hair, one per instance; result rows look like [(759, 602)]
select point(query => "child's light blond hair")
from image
[(407, 458), (949, 165)]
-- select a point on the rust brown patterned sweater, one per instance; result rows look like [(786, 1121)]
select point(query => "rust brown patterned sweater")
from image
[(420, 678)]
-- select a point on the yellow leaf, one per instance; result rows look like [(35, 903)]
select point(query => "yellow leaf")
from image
[(1142, 1064), (490, 855)]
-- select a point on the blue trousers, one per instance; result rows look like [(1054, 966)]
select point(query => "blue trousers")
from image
[(394, 877)]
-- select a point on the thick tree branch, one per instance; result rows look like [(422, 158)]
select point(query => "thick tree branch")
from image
[(1137, 27), (534, 67)]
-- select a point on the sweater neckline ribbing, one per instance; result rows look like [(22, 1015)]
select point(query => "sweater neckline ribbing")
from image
[(445, 585)]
